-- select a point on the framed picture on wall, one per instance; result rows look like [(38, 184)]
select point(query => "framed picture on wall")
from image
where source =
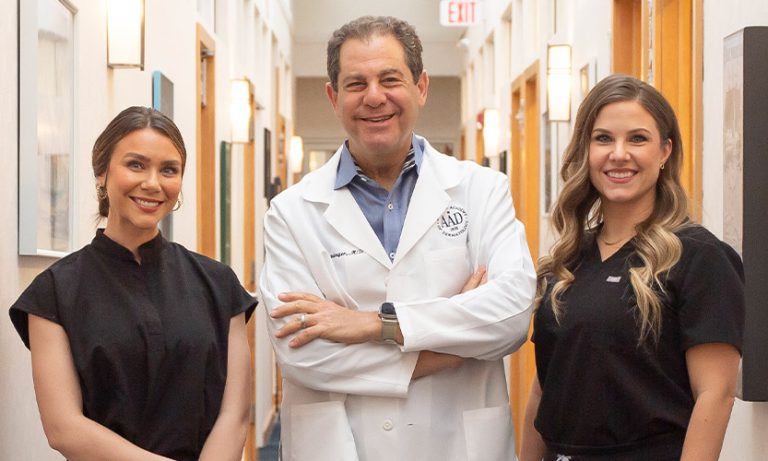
[(47, 114), (162, 100), (267, 162), (226, 201), (584, 83), (745, 223)]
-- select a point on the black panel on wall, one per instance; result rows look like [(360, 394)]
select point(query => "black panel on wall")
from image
[(755, 229)]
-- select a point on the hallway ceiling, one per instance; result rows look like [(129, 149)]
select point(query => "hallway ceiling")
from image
[(315, 20)]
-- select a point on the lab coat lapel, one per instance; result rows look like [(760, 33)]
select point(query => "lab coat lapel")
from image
[(345, 216), (428, 202), (343, 212)]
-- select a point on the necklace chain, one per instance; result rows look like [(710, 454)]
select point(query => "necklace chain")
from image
[(610, 244)]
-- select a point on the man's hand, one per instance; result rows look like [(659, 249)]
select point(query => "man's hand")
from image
[(315, 317), (479, 277)]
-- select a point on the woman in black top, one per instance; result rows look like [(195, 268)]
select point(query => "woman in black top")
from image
[(139, 347), (640, 312)]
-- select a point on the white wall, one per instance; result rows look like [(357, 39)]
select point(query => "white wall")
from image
[(244, 46), (21, 435)]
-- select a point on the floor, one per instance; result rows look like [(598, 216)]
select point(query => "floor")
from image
[(269, 451)]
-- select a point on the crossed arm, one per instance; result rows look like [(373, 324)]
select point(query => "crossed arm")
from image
[(323, 319), (340, 350), (78, 438)]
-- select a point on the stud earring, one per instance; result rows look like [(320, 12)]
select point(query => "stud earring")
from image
[(662, 166), (101, 192)]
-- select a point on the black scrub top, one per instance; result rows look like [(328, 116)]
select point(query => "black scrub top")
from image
[(603, 394), (149, 340)]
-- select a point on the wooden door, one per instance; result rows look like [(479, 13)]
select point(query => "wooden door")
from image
[(662, 43), (479, 140), (206, 143), (524, 177), (249, 264)]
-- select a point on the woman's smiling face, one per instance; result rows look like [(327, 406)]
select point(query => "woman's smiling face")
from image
[(626, 153), (143, 183)]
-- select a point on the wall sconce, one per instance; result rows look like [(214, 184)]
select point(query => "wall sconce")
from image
[(491, 132), (240, 110), (559, 83), (125, 33), (296, 155)]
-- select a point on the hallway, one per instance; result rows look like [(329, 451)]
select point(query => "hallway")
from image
[(244, 80)]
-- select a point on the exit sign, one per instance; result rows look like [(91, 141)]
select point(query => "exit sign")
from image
[(459, 13)]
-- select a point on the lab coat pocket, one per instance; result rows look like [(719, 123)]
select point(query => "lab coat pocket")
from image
[(447, 270), (489, 435), (321, 432)]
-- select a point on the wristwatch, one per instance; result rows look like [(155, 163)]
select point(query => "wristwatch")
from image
[(389, 323)]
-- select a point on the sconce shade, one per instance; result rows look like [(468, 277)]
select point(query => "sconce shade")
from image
[(296, 158), (491, 133), (125, 33), (240, 110), (559, 83)]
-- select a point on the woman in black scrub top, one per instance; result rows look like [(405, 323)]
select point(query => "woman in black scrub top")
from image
[(640, 312), (139, 347)]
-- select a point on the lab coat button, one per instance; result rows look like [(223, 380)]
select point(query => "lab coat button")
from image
[(388, 425)]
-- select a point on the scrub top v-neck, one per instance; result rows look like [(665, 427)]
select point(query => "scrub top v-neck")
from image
[(602, 391)]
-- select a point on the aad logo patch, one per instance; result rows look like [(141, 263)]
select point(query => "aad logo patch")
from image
[(453, 222)]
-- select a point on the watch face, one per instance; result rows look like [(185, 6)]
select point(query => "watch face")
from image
[(388, 309)]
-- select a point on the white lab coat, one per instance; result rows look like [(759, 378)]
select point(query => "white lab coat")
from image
[(357, 402)]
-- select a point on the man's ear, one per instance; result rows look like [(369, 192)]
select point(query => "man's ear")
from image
[(332, 95), (423, 85)]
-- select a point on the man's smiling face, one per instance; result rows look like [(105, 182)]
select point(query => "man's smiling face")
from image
[(377, 100)]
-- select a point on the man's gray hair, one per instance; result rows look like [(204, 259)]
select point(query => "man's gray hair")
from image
[(366, 26)]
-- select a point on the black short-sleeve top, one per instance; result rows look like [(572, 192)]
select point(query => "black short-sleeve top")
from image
[(602, 392), (149, 340)]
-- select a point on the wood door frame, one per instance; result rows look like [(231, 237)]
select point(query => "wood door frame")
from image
[(281, 135), (678, 70), (206, 144), (479, 139), (525, 184), (249, 263)]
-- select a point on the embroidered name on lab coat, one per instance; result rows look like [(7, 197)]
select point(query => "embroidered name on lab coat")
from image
[(356, 251), (453, 222)]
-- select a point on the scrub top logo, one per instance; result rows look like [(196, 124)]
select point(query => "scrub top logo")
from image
[(453, 222)]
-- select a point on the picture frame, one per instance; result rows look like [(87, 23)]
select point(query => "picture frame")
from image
[(162, 100), (267, 163), (46, 190), (225, 201), (745, 103)]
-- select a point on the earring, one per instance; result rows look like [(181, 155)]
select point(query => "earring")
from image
[(101, 192), (179, 202), (662, 166)]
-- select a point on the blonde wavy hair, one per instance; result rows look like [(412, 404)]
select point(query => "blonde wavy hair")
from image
[(577, 214)]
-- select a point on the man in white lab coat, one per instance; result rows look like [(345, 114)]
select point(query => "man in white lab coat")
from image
[(395, 278)]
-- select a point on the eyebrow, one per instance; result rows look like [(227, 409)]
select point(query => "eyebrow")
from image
[(634, 130), (357, 76), (144, 158)]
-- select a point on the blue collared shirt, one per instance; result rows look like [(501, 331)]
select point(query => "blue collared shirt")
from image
[(385, 210)]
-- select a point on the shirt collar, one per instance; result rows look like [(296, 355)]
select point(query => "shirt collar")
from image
[(347, 169), (149, 251)]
